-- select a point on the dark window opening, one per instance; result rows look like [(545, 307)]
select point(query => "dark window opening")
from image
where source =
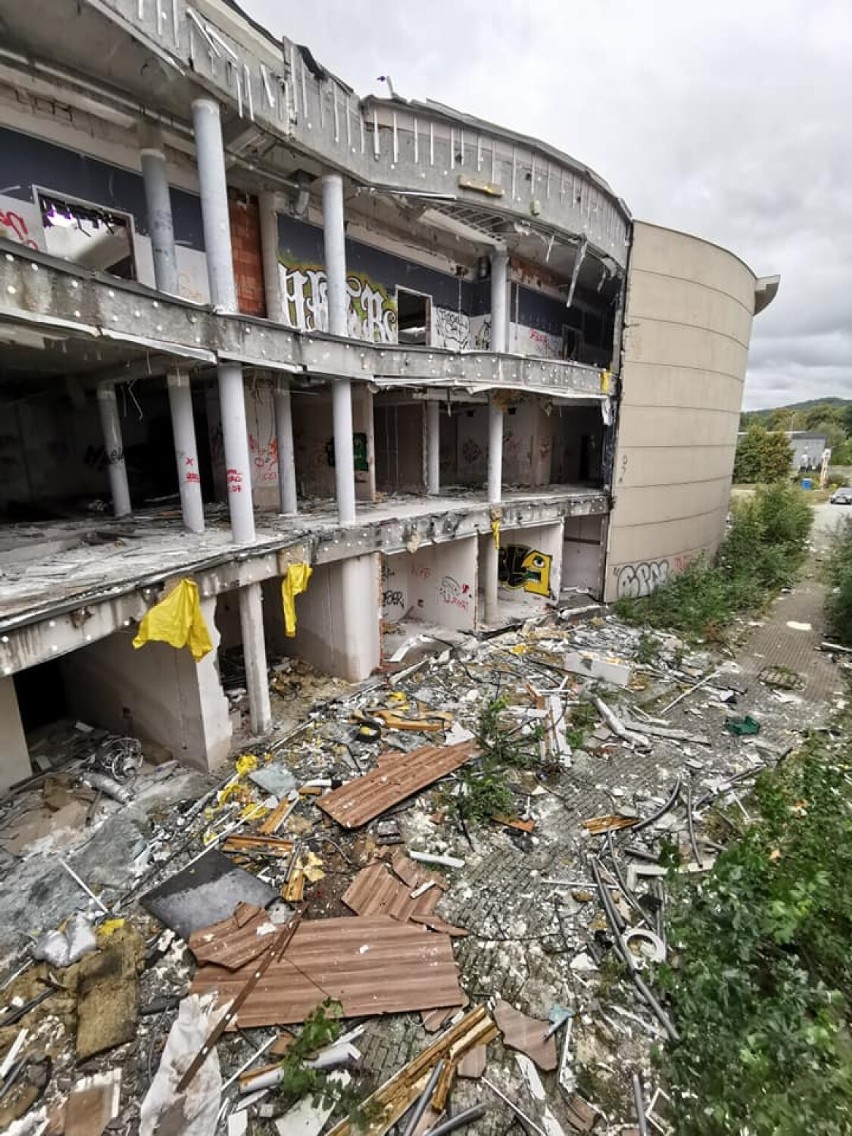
[(41, 695), (414, 317)]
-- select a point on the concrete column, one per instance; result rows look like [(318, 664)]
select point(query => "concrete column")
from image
[(334, 240), (268, 203), (213, 187), (186, 451), (254, 654), (344, 452), (114, 447), (495, 478), (500, 301), (14, 755), (286, 450), (155, 180), (363, 422), (433, 447)]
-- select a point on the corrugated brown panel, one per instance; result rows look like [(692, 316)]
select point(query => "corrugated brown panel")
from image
[(235, 941), (376, 891), (369, 796), (370, 964)]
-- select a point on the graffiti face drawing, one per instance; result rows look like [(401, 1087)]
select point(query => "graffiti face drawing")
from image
[(527, 568)]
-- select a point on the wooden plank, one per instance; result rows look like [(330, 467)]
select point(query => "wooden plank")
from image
[(370, 964), (367, 797)]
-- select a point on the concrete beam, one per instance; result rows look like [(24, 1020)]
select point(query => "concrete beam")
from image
[(58, 298)]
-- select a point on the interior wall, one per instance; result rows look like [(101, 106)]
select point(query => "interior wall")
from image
[(578, 445), (436, 584), (337, 629), (14, 756), (527, 445), (400, 446), (161, 693), (582, 554), (530, 563), (313, 431)]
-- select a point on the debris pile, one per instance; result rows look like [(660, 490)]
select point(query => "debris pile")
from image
[(436, 900)]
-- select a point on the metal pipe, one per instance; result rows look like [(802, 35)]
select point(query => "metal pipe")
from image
[(155, 180), (433, 447), (186, 450), (458, 1121), (422, 1102), (286, 449), (660, 812), (114, 449), (499, 301), (527, 1121), (640, 1105), (686, 693), (690, 824)]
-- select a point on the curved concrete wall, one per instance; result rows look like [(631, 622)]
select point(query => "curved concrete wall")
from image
[(687, 328)]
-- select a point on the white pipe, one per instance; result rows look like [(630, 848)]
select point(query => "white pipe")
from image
[(444, 861), (433, 447), (186, 450), (286, 450), (155, 180), (114, 449)]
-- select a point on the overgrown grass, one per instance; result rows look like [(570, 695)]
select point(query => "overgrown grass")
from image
[(760, 971), (838, 571), (762, 552)]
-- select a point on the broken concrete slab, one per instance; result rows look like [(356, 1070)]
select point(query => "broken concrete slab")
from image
[(590, 665)]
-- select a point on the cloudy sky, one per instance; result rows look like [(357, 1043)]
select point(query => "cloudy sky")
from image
[(731, 120)]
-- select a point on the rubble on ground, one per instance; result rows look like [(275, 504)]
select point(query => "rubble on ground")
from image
[(168, 937)]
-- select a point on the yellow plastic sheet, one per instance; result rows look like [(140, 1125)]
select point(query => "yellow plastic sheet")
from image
[(495, 532), (177, 620), (293, 584)]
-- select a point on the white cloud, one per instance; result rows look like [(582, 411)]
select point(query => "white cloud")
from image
[(729, 120)]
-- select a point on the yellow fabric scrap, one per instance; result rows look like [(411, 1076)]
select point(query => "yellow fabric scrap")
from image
[(245, 763), (606, 380), (294, 583), (311, 865), (109, 927), (177, 620), (495, 532)]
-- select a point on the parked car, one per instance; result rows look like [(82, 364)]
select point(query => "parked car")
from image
[(842, 496)]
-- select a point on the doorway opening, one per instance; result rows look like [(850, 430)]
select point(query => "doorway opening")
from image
[(414, 317), (88, 234)]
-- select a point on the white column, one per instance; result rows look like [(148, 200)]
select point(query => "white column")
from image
[(213, 188), (254, 656), (495, 478), (114, 448), (267, 203), (334, 240), (155, 180), (186, 450), (14, 755), (499, 301), (286, 451), (433, 447)]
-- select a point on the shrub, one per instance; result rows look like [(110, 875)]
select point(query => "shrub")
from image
[(838, 571)]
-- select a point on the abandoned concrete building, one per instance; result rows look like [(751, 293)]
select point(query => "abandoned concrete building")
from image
[(251, 322)]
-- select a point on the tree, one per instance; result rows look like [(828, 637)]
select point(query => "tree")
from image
[(776, 459), (748, 461), (762, 456)]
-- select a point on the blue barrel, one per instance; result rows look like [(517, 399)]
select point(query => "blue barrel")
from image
[(807, 483)]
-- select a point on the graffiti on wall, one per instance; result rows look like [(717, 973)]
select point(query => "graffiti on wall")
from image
[(452, 329), (454, 594), (371, 309), (524, 567), (646, 576), (359, 449), (393, 597), (20, 221)]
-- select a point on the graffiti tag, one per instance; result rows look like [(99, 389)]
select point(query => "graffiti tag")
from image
[(451, 592), (371, 309), (13, 227), (452, 329), (645, 577), (523, 567)]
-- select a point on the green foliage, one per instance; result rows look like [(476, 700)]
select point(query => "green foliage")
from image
[(647, 649), (581, 717), (763, 551), (320, 1029), (762, 456), (838, 572), (760, 970)]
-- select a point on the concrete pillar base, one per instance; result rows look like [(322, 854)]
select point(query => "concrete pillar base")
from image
[(14, 756), (254, 657)]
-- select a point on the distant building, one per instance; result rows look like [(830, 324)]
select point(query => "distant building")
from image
[(806, 448)]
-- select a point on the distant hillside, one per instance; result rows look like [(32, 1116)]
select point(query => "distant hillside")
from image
[(808, 405)]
